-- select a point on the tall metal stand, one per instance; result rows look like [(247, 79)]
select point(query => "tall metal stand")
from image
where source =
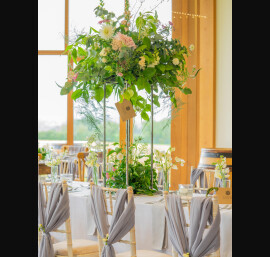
[(127, 149), (152, 135), (104, 136)]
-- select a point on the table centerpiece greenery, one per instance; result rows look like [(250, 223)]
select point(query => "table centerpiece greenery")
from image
[(128, 61), (139, 171)]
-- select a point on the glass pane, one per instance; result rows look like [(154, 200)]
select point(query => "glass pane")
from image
[(81, 16), (163, 8), (162, 126), (52, 107), (88, 119), (51, 24)]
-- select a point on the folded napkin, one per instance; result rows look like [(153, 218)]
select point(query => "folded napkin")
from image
[(159, 227)]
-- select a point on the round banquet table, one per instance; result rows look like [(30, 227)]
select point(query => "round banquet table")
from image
[(149, 222)]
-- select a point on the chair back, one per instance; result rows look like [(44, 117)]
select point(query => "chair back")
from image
[(132, 241), (81, 166), (67, 230), (63, 167), (215, 212), (209, 180)]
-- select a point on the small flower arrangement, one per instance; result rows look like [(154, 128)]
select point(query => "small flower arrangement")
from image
[(94, 145), (163, 163), (53, 162), (45, 150), (139, 168), (128, 57), (221, 170)]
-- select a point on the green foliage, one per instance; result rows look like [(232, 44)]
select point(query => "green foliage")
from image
[(154, 59), (211, 189), (139, 169)]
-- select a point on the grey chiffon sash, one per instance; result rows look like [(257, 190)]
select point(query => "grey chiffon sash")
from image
[(199, 173), (192, 241), (123, 219), (51, 215)]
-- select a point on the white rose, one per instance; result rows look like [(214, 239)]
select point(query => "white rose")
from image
[(176, 61), (104, 60), (120, 156)]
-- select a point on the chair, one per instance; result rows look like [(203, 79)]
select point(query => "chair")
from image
[(72, 248), (132, 242), (81, 166), (208, 180), (64, 167), (215, 212)]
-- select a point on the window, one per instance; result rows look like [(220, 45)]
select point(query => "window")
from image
[(52, 107)]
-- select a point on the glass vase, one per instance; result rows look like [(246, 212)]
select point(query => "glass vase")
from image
[(54, 174), (225, 183), (166, 184), (95, 175)]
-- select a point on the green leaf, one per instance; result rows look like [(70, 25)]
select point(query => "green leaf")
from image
[(76, 94), (74, 55), (140, 48), (99, 94), (149, 72), (142, 83), (81, 51), (147, 42), (211, 189), (161, 67), (144, 116), (148, 108), (155, 100), (186, 90), (109, 90), (67, 88)]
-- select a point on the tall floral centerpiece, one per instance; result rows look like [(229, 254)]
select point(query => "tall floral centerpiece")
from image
[(126, 58), (221, 170), (163, 162)]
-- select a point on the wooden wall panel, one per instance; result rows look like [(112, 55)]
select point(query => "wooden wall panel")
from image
[(194, 128)]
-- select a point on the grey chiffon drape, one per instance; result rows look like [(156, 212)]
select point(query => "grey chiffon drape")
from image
[(123, 219), (199, 173), (193, 241), (51, 215)]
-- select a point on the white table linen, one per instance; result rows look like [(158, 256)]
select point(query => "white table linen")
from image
[(81, 222)]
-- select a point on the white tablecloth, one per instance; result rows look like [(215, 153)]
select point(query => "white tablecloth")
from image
[(81, 219)]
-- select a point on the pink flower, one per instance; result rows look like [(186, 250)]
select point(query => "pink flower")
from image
[(107, 176), (113, 178), (170, 23), (120, 74), (114, 169), (100, 22), (121, 40), (75, 76)]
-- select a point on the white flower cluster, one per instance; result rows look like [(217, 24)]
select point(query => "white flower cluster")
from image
[(163, 160), (53, 162), (221, 170), (91, 159)]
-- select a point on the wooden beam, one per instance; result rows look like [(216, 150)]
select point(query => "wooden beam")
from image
[(51, 52), (206, 77), (179, 130), (194, 127)]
